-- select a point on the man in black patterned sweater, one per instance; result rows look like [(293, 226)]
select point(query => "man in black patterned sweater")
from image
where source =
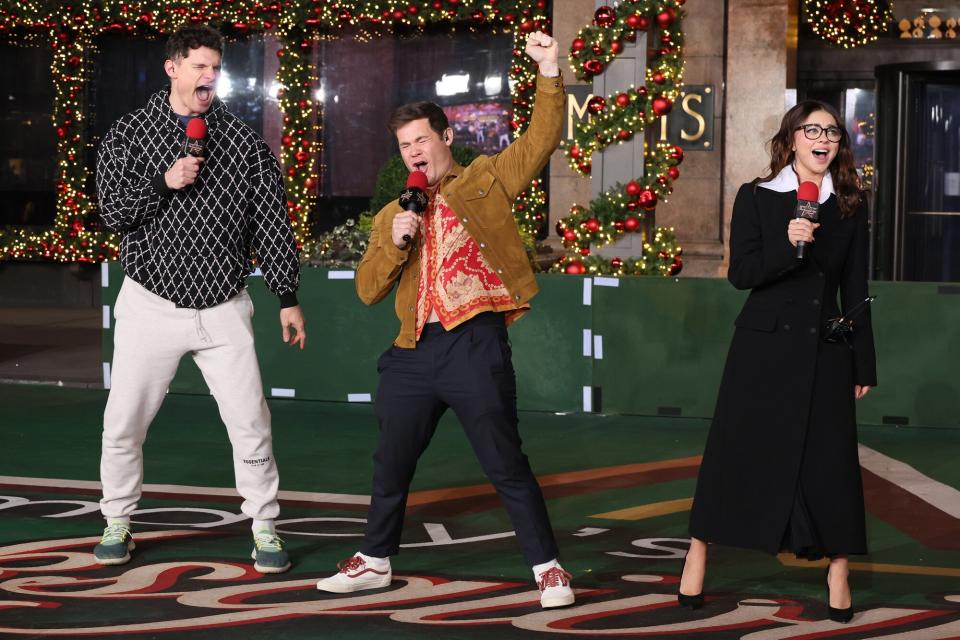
[(189, 226)]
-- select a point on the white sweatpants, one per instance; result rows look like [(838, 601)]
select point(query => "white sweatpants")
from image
[(150, 337)]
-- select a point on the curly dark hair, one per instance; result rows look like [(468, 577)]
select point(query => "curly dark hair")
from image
[(842, 170), (190, 37)]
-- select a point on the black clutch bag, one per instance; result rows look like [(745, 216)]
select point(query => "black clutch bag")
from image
[(841, 329)]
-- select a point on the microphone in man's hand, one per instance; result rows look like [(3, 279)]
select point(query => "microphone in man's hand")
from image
[(808, 201), (196, 143), (414, 198)]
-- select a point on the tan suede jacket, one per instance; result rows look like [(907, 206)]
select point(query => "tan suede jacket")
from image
[(482, 196)]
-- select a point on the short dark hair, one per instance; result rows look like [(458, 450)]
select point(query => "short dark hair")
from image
[(193, 36), (417, 111)]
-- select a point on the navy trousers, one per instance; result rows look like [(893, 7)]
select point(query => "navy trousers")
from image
[(468, 369)]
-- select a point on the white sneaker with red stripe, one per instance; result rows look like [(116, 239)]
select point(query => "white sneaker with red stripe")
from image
[(356, 574), (555, 588)]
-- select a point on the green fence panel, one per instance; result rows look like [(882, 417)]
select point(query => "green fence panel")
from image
[(664, 343), (917, 330), (551, 372)]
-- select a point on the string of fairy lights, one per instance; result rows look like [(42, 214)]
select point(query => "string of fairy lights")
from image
[(71, 28), (616, 119), (848, 23)]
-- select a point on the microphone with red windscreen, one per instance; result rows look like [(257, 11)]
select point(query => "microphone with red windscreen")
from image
[(196, 142), (808, 202), (414, 198)]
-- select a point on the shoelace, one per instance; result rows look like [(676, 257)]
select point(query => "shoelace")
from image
[(351, 564), (267, 541), (115, 533), (554, 577)]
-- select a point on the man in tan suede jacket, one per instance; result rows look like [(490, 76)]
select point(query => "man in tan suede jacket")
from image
[(463, 277)]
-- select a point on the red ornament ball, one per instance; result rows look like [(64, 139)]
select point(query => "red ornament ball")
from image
[(657, 77), (579, 44), (676, 267), (592, 225), (596, 104), (593, 67), (633, 188), (616, 263), (309, 183), (616, 47), (648, 199), (575, 152), (604, 17), (631, 224), (624, 135), (665, 18), (662, 106), (569, 235), (677, 154), (585, 251), (623, 100), (633, 21), (302, 156), (673, 172), (575, 267)]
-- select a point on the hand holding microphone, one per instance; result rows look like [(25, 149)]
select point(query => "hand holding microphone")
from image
[(184, 171), (414, 201), (801, 228)]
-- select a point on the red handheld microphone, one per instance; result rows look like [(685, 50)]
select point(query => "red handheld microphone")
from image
[(414, 198), (196, 142), (808, 202)]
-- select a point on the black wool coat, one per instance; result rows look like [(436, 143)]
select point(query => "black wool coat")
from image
[(785, 417)]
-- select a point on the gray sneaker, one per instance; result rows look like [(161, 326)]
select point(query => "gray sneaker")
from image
[(268, 553), (115, 545)]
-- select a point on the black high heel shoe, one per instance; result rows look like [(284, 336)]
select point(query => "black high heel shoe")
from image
[(690, 602), (838, 615)]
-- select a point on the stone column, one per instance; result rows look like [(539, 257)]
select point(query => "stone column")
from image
[(695, 208), (566, 186), (756, 93)]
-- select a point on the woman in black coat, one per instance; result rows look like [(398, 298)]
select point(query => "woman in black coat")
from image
[(780, 469)]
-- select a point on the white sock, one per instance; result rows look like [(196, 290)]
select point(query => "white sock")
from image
[(540, 568), (263, 525), (124, 520), (376, 563)]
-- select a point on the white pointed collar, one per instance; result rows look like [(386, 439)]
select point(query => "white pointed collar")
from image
[(787, 180)]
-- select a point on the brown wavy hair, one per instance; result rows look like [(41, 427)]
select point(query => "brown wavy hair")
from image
[(846, 183)]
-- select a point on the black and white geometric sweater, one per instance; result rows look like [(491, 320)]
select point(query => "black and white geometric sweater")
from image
[(193, 246)]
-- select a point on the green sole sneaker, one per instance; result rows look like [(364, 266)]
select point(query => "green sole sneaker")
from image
[(270, 561), (117, 553), (268, 553)]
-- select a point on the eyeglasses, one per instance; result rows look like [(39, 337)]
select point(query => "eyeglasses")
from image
[(813, 132)]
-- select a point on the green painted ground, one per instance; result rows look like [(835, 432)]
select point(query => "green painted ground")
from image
[(326, 447)]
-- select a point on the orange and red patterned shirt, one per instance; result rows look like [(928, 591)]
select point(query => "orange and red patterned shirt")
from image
[(456, 281)]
